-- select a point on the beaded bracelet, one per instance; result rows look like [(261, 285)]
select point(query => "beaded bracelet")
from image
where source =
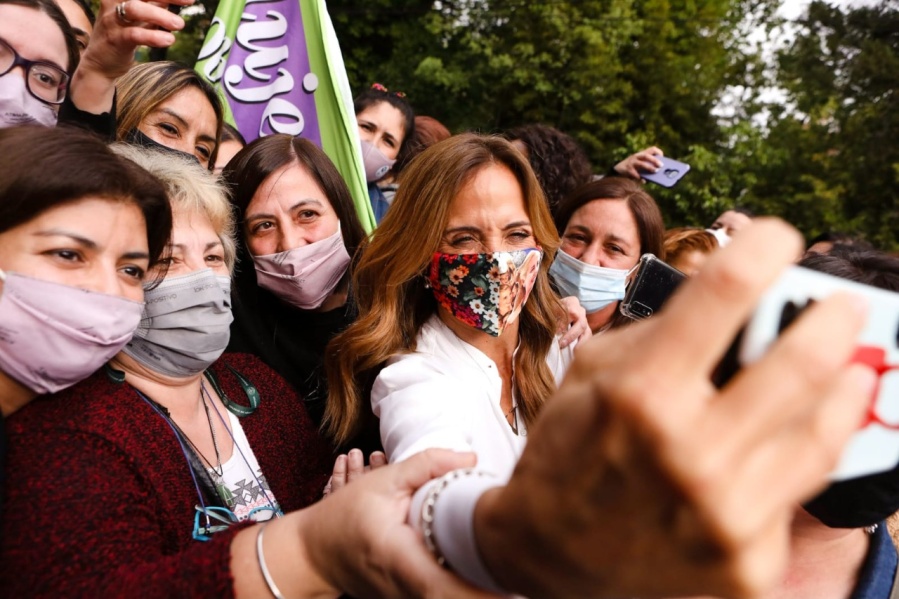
[(427, 508), (272, 587)]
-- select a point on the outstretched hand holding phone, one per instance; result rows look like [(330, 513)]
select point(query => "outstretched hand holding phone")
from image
[(640, 478)]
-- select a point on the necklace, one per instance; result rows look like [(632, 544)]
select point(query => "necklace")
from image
[(220, 472), (276, 509), (248, 389), (512, 418), (215, 445), (196, 468)]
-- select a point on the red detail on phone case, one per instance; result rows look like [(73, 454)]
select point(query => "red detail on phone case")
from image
[(875, 357)]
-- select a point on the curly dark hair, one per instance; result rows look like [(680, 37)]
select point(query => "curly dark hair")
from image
[(560, 164)]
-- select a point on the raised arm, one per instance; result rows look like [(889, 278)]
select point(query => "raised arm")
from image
[(98, 530), (639, 465), (120, 28)]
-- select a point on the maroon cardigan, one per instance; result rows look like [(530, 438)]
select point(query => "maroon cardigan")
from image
[(100, 501)]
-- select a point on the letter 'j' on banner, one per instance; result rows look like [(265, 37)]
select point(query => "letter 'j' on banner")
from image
[(278, 66)]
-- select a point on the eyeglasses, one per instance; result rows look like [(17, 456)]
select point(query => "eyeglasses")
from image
[(45, 81), (204, 528)]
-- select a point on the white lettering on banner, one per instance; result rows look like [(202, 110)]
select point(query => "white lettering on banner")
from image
[(280, 114), (252, 95), (260, 57), (282, 108), (215, 48), (253, 81)]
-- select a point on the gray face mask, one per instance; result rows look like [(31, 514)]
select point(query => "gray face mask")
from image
[(186, 324)]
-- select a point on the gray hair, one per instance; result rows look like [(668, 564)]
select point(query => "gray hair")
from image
[(190, 188)]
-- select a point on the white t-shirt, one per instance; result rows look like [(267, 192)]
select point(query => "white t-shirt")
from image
[(242, 485)]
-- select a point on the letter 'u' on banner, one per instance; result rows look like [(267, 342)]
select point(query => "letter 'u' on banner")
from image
[(278, 67)]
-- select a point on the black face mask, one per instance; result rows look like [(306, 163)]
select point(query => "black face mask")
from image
[(137, 138), (857, 502)]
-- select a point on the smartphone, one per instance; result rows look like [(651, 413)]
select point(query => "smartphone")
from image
[(875, 446), (652, 284), (669, 173)]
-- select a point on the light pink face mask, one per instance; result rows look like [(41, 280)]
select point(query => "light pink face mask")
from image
[(52, 335), (305, 276), (19, 107), (375, 162)]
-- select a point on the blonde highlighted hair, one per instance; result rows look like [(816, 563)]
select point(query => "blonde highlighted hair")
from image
[(388, 280), (190, 188), (146, 86)]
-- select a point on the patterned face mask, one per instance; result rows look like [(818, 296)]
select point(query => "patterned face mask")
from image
[(485, 291)]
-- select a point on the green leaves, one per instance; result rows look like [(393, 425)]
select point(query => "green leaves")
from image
[(686, 75)]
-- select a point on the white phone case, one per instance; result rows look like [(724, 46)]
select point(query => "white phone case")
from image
[(875, 447)]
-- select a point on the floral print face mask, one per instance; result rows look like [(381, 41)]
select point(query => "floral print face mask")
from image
[(485, 291)]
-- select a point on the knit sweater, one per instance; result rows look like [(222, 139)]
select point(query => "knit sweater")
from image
[(100, 499)]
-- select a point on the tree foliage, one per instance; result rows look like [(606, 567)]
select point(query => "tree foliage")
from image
[(618, 75), (687, 75), (842, 74)]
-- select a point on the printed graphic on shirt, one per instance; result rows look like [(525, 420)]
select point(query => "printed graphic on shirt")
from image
[(248, 494)]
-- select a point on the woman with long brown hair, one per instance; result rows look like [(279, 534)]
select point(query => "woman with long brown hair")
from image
[(455, 342), (435, 345)]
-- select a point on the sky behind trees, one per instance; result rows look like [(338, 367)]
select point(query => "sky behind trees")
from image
[(790, 108)]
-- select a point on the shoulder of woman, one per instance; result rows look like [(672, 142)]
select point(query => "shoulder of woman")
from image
[(95, 402), (236, 370), (434, 337), (423, 373), (560, 358)]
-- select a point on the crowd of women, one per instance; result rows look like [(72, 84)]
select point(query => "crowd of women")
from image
[(214, 383)]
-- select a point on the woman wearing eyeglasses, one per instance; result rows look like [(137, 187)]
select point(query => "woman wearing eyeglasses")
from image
[(103, 500), (38, 52)]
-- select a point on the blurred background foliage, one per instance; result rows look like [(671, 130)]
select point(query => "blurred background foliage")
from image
[(797, 119)]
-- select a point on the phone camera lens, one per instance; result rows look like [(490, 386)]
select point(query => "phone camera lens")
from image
[(672, 173), (641, 310)]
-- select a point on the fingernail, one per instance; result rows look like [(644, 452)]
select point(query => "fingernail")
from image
[(356, 452)]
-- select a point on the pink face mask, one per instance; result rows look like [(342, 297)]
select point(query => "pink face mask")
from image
[(305, 276), (19, 107), (52, 335), (375, 162)]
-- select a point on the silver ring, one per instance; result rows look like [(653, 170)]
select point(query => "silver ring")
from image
[(122, 15)]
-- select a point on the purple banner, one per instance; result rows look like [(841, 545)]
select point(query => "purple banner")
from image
[(267, 79)]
